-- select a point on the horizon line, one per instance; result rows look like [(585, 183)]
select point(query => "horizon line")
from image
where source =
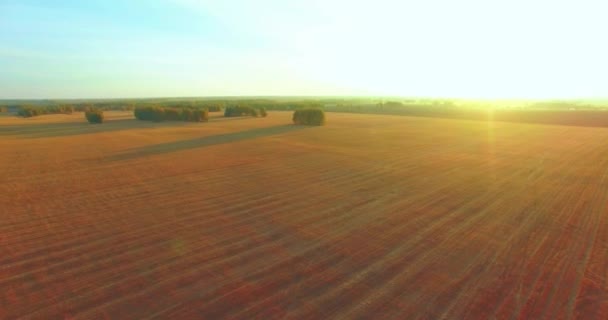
[(356, 96)]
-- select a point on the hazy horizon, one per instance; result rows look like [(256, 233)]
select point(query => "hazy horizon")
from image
[(312, 97), (472, 49)]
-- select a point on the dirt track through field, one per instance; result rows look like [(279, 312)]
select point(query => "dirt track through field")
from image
[(367, 217)]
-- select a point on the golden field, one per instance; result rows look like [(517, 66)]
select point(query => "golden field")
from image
[(370, 216)]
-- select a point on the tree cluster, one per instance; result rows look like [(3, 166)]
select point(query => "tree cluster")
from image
[(158, 114), (311, 117), (245, 110), (94, 116)]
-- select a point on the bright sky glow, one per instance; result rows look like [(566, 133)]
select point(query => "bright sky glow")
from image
[(433, 48)]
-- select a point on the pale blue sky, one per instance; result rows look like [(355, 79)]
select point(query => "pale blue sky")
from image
[(466, 48)]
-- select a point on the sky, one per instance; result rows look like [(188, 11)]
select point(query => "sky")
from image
[(416, 48)]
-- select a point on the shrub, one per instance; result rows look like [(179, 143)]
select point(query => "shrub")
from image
[(315, 117), (94, 116)]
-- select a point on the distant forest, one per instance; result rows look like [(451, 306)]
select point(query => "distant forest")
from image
[(566, 112)]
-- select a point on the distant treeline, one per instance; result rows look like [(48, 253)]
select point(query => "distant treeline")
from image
[(32, 111), (245, 110), (584, 113), (36, 110), (292, 103), (234, 105)]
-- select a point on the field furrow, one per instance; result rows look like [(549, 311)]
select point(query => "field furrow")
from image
[(367, 217)]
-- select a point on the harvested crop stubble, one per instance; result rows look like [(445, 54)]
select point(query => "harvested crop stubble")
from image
[(371, 217)]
